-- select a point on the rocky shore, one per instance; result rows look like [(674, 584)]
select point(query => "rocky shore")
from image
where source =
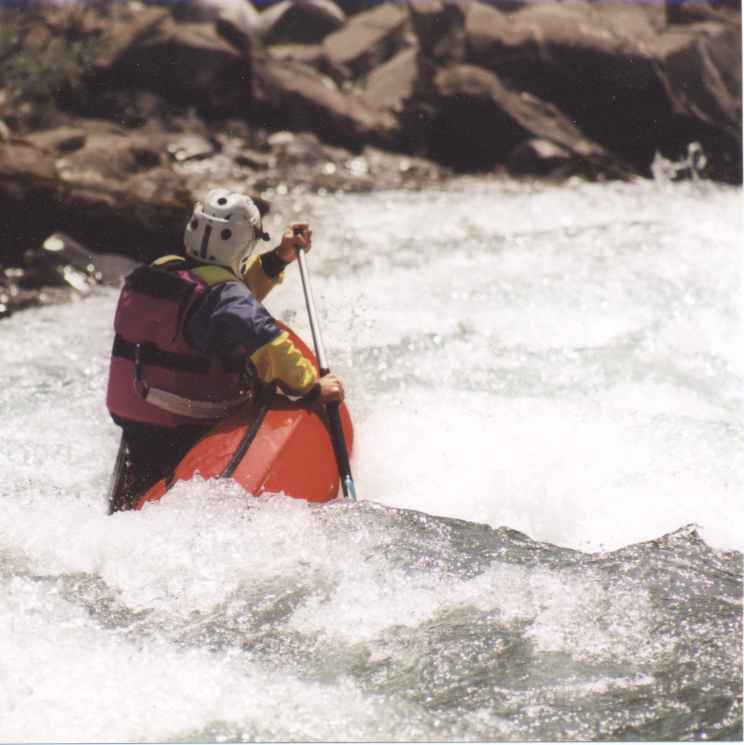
[(168, 99)]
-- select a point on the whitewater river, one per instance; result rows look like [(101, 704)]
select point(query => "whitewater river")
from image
[(546, 384)]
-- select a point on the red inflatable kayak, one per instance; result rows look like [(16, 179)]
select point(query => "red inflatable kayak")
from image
[(283, 448)]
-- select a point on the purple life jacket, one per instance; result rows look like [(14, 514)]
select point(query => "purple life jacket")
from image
[(156, 376)]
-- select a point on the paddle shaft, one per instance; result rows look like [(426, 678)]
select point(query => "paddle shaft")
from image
[(332, 409)]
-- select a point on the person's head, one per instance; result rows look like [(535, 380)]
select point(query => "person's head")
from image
[(224, 229)]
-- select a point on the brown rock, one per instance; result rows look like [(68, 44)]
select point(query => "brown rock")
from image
[(440, 28), (722, 47), (610, 71), (190, 146), (540, 158), (639, 16), (107, 207), (61, 140), (701, 71), (123, 33), (393, 84), (296, 96), (367, 40), (237, 20), (186, 63), (300, 21), (695, 11), (106, 156), (393, 89), (544, 33), (480, 121), (312, 55), (700, 67), (239, 23)]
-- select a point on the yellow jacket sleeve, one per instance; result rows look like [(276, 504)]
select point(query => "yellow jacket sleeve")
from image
[(279, 361), (258, 282)]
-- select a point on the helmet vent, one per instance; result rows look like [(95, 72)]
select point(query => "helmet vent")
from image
[(226, 234), (222, 200), (194, 224)]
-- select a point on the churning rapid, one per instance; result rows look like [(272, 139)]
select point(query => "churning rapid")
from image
[(546, 384)]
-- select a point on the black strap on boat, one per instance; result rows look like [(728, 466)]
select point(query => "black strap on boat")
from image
[(266, 397)]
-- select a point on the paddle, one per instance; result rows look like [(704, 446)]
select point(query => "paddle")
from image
[(332, 409)]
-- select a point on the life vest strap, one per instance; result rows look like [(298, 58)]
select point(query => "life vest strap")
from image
[(151, 355), (190, 407)]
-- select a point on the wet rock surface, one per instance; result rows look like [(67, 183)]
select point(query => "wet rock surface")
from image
[(323, 95)]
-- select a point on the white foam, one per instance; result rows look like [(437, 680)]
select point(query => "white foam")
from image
[(565, 361)]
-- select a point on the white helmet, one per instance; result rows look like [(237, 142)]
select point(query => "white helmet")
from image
[(224, 229)]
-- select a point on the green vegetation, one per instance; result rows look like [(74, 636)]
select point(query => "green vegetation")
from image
[(44, 54)]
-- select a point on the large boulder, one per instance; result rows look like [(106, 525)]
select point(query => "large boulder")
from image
[(189, 64), (392, 85), (393, 89), (604, 67), (119, 196), (700, 66), (300, 21), (290, 95), (123, 32), (367, 40), (479, 121)]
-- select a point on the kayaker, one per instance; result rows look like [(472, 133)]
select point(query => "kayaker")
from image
[(192, 339)]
